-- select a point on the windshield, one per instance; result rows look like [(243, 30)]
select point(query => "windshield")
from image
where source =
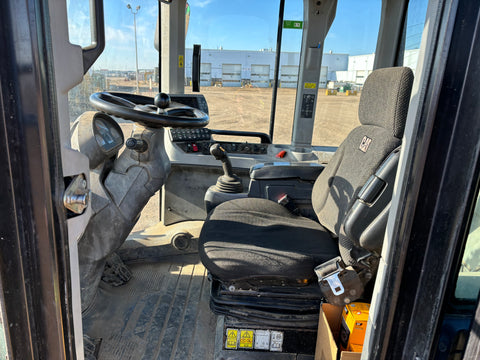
[(239, 40)]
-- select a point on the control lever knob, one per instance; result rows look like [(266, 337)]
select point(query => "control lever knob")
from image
[(229, 182), (162, 100), (220, 154), (138, 145)]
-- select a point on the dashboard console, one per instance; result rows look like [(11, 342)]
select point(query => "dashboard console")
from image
[(198, 141)]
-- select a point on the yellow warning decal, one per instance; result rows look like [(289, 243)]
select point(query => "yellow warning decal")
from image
[(180, 61), (232, 336), (310, 86), (246, 339)]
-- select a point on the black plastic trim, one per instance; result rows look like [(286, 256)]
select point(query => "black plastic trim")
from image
[(264, 138)]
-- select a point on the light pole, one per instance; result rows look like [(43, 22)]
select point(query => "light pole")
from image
[(135, 31)]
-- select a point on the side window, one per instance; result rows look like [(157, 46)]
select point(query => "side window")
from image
[(468, 283), (347, 61), (417, 10)]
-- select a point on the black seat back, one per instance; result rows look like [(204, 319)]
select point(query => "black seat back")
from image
[(382, 113)]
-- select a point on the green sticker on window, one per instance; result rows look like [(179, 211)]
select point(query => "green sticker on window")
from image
[(292, 24)]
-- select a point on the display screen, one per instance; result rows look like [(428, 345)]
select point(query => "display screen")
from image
[(107, 135)]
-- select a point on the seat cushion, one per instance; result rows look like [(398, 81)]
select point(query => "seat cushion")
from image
[(255, 238)]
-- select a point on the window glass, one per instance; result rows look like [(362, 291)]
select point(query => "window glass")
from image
[(417, 10), (288, 73), (468, 283), (79, 22), (347, 61), (238, 40), (115, 69)]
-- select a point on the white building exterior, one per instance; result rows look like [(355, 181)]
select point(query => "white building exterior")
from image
[(237, 67), (214, 61)]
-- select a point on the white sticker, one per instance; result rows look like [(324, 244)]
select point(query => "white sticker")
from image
[(262, 339), (276, 341)]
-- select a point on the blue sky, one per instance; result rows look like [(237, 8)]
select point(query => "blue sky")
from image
[(232, 24)]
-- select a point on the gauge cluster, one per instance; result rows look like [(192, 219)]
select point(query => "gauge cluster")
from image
[(108, 134), (98, 136)]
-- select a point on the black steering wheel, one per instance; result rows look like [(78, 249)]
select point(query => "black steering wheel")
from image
[(152, 112)]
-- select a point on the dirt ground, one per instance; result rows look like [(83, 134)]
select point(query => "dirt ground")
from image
[(249, 109)]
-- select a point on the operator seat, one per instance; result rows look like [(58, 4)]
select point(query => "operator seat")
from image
[(253, 240)]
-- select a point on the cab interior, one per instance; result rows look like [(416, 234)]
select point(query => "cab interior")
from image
[(182, 227)]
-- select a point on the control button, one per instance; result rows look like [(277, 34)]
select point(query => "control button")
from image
[(281, 154), (195, 147)]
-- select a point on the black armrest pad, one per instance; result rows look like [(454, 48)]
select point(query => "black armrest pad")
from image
[(366, 221), (285, 170)]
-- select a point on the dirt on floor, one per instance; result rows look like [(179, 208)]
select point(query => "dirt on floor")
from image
[(248, 109)]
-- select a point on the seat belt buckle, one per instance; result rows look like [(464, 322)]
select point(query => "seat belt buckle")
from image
[(335, 284), (339, 284), (286, 202)]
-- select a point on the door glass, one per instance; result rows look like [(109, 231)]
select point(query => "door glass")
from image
[(417, 10), (468, 283), (350, 52), (116, 68)]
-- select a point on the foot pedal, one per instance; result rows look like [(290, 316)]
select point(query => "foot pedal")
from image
[(116, 273), (91, 347)]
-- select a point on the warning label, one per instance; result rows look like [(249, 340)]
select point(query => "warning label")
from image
[(246, 339), (262, 339), (276, 341), (232, 339)]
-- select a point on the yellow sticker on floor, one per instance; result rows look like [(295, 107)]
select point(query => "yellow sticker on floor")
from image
[(246, 339), (310, 85), (232, 339)]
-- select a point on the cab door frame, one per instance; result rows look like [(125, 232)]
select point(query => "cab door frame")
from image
[(35, 272), (435, 192)]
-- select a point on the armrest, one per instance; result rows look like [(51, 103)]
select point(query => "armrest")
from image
[(285, 170), (366, 221)]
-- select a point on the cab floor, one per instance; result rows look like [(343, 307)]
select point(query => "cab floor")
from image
[(161, 313)]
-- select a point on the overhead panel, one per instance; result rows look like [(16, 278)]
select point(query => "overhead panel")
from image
[(260, 76), (232, 75)]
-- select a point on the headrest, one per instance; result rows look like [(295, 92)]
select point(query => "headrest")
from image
[(385, 98)]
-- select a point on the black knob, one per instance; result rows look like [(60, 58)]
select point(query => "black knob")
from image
[(218, 152), (136, 144), (228, 182), (162, 100)]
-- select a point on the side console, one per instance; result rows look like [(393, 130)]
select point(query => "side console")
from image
[(287, 183)]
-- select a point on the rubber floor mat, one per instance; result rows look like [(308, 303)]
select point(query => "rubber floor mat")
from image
[(161, 313)]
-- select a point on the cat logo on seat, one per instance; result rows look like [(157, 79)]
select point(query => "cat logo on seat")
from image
[(366, 141)]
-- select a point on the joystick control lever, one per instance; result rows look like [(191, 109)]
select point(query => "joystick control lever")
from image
[(228, 182), (220, 154)]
